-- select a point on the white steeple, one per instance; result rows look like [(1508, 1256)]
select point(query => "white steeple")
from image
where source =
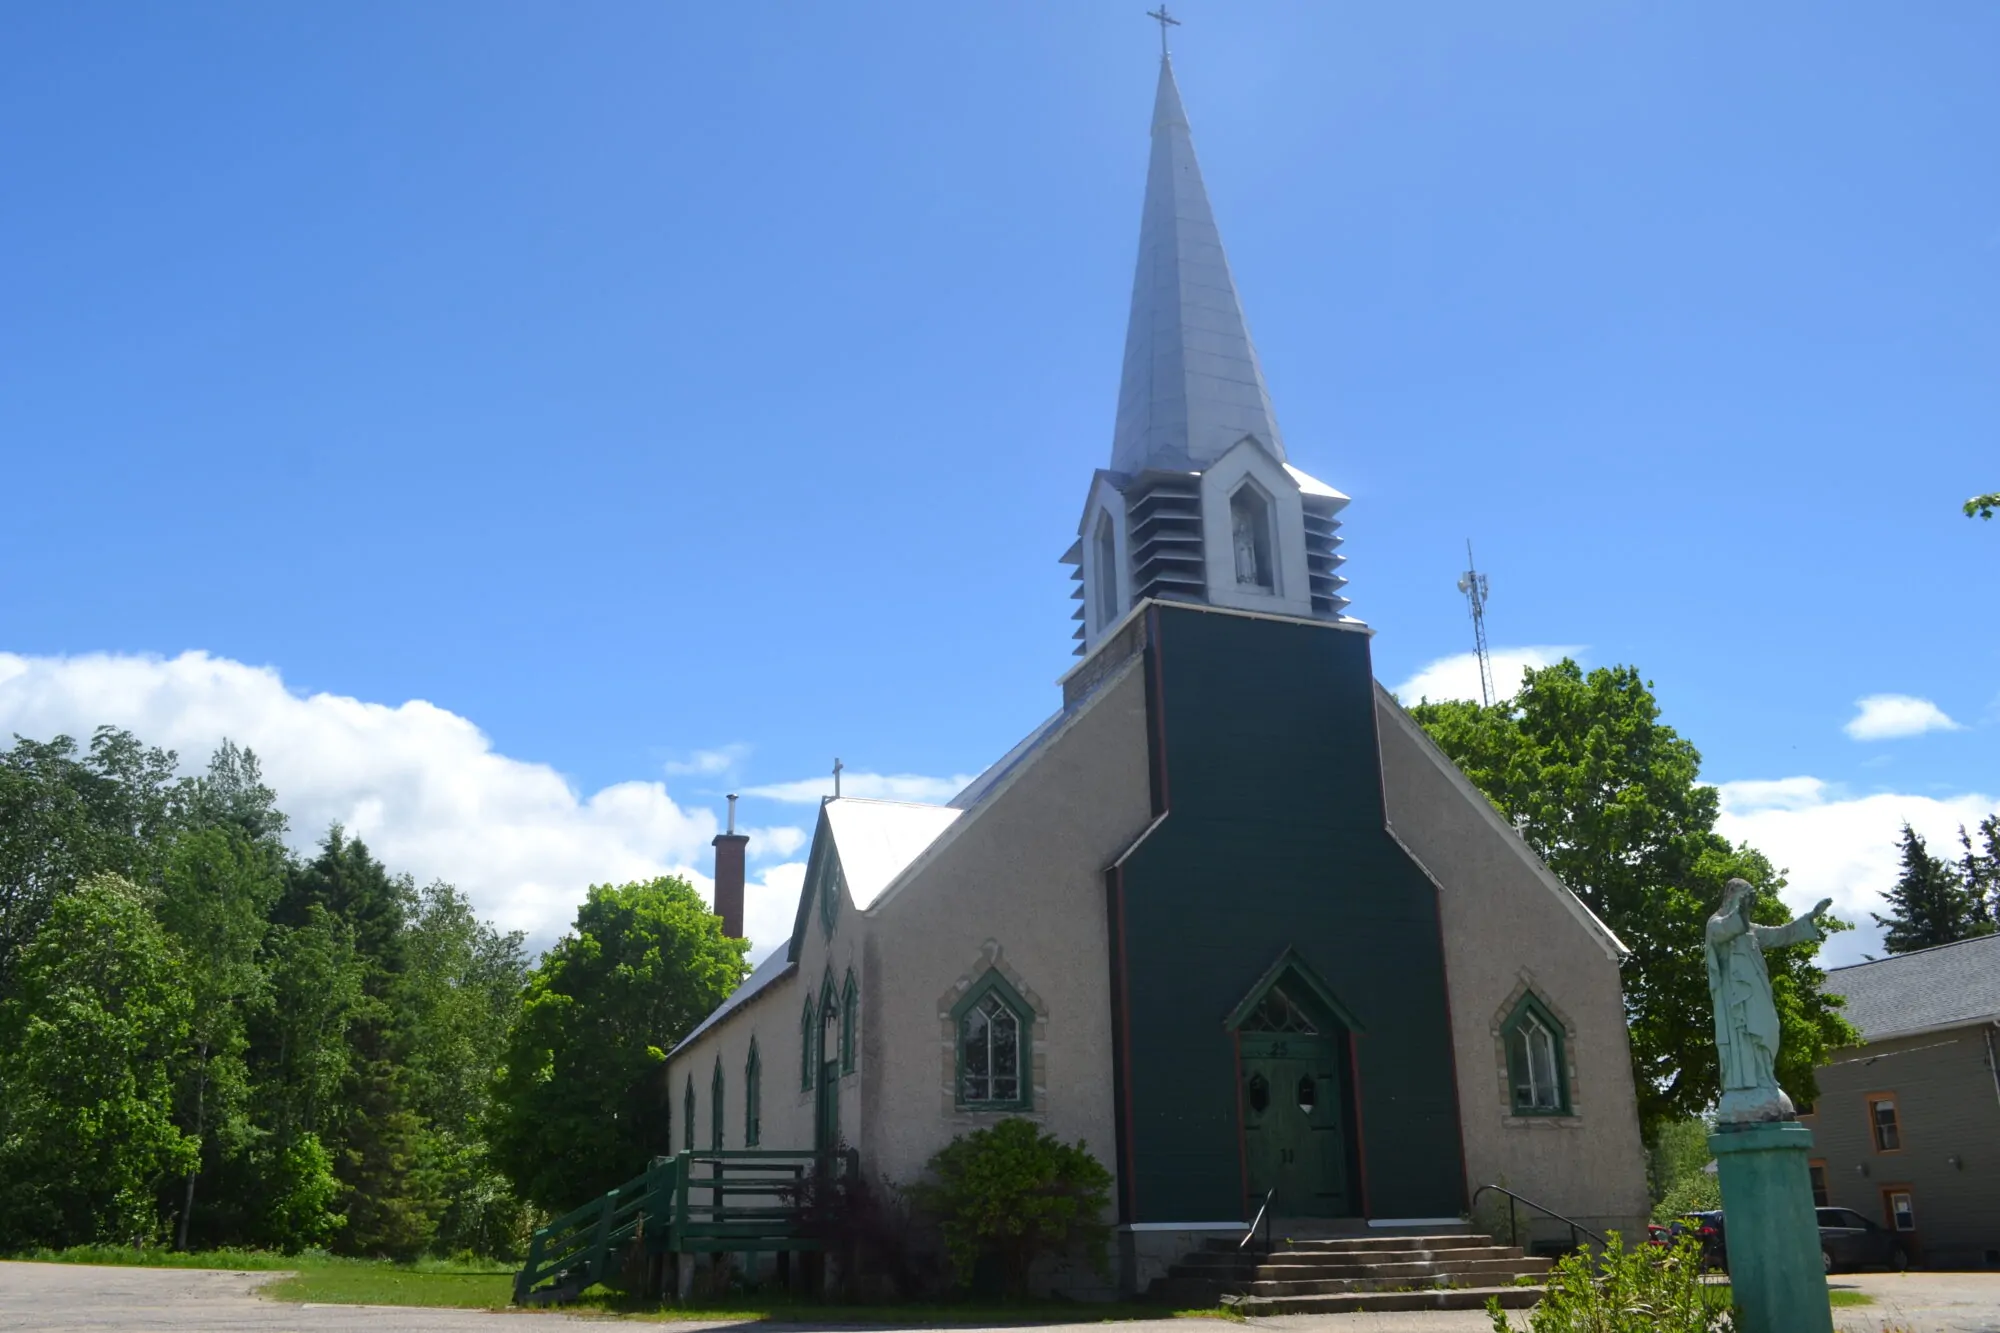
[(1199, 503), (1192, 386)]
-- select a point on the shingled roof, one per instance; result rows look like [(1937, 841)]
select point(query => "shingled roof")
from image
[(1946, 986)]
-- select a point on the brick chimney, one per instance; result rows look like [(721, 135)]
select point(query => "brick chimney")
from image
[(729, 876)]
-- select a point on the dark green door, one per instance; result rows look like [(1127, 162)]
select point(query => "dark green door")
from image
[(1294, 1135)]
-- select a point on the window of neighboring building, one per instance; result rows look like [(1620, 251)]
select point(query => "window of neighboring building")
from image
[(1536, 1074), (715, 1107), (850, 1011), (995, 1069), (1250, 538), (1900, 1212), (1883, 1123), (753, 1097), (1818, 1172), (808, 1024), (1106, 560), (687, 1116)]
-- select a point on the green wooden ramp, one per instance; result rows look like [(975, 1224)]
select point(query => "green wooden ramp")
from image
[(746, 1201)]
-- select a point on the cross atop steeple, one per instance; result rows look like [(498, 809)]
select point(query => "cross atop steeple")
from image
[(1165, 20)]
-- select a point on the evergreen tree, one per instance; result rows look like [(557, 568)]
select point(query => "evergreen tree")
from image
[(1931, 903), (1980, 865), (375, 1140), (87, 1042)]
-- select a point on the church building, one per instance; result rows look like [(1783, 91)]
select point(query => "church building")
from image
[(1228, 916)]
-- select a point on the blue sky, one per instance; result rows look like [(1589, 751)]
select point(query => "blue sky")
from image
[(639, 402)]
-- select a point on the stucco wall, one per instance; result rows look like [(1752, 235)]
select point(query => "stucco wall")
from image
[(1506, 930), (1018, 884), (1947, 1106), (772, 1017)]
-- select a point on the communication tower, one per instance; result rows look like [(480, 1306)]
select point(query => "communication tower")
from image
[(1473, 584)]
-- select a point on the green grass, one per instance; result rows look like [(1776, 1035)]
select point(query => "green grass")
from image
[(360, 1282), (320, 1277), (1838, 1297)]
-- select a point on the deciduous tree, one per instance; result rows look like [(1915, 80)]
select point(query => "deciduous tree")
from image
[(87, 1042), (1611, 799), (577, 1108)]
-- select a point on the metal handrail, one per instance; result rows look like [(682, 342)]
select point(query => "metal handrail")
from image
[(1513, 1219), (1263, 1217)]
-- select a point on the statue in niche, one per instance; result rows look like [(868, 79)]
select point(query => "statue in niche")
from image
[(1746, 1021), (1243, 533)]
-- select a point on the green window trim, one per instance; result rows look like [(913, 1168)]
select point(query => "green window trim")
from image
[(1537, 1060), (753, 1097), (994, 1068), (687, 1116), (850, 1012), (832, 886), (808, 1024), (715, 1107)]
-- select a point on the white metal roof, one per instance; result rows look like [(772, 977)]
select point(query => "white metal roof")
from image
[(1191, 386), (877, 840)]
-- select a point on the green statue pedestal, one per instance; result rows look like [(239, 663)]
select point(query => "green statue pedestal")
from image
[(1769, 1225)]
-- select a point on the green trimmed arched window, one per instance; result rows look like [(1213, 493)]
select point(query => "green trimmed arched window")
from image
[(994, 1028), (753, 1097), (1537, 1070), (715, 1107), (687, 1116), (850, 1011), (808, 1026)]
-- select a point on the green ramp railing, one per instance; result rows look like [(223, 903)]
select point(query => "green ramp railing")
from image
[(740, 1201)]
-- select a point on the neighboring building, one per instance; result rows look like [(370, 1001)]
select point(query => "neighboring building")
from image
[(1228, 916), (1907, 1125)]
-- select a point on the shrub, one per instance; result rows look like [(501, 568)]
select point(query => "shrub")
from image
[(1643, 1290), (1010, 1194)]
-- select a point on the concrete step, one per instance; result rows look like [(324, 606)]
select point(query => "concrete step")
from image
[(1442, 1298), (1458, 1240), (1493, 1269), (1305, 1262)]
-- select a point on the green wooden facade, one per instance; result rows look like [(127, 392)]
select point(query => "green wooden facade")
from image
[(1273, 853)]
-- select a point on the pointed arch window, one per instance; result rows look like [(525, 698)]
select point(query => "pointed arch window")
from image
[(687, 1116), (753, 1097), (1106, 572), (850, 1011), (715, 1107), (832, 1032), (995, 1028), (808, 1026), (1250, 538), (1537, 1071)]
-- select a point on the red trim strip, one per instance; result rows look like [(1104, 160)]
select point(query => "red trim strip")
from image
[(1360, 1125), (1242, 1129), (1127, 1187)]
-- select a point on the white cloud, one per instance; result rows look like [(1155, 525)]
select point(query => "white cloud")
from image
[(876, 786), (708, 763), (1457, 676), (1890, 716), (766, 843), (422, 785), (770, 905), (1835, 846)]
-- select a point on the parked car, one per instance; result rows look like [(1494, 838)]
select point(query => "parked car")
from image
[(1849, 1240), (1706, 1228)]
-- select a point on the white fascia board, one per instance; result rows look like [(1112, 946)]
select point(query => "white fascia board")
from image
[(972, 815), (1871, 1038), (1311, 485), (1614, 947)]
